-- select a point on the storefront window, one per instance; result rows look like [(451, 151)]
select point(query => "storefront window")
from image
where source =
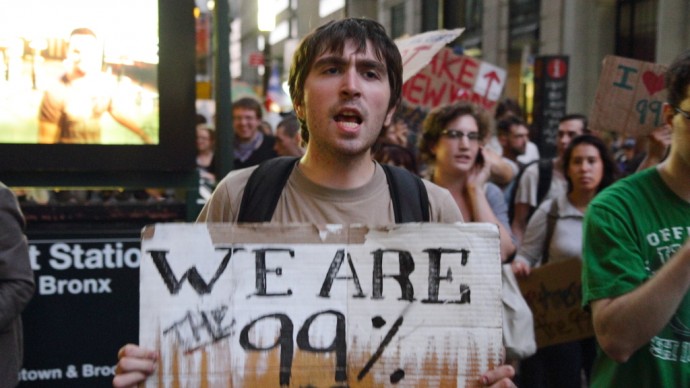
[(636, 29)]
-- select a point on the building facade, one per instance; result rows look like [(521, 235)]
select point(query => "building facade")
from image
[(507, 33)]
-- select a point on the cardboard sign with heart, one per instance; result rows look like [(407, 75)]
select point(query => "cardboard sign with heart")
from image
[(629, 98), (653, 82)]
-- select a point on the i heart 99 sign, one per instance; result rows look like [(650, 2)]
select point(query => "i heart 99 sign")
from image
[(630, 97)]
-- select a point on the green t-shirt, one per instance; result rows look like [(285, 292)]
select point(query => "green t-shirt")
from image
[(630, 230)]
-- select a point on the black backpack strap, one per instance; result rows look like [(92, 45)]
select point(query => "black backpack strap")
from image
[(514, 189), (551, 220), (408, 194), (263, 189), (545, 176)]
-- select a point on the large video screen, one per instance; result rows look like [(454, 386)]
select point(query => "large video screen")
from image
[(97, 85), (79, 72)]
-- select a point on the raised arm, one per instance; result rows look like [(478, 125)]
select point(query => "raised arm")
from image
[(483, 211), (501, 171), (626, 323)]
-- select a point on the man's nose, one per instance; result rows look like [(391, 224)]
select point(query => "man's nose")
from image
[(464, 142), (350, 85)]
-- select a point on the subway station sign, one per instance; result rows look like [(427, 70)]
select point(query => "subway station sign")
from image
[(84, 307)]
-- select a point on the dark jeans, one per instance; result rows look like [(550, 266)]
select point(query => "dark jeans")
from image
[(558, 366)]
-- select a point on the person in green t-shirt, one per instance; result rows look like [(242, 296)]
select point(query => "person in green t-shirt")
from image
[(636, 272)]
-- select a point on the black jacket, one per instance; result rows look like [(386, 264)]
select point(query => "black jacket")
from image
[(16, 286), (264, 152)]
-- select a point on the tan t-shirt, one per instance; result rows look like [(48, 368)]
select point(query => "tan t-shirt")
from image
[(303, 201), (526, 190)]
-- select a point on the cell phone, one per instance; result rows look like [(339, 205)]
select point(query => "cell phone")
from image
[(479, 161)]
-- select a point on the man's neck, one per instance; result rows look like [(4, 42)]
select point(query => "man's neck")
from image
[(338, 172), (675, 172), (246, 141)]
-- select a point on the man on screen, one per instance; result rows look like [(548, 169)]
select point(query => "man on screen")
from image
[(71, 110)]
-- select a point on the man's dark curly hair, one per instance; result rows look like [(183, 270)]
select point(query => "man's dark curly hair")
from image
[(678, 79)]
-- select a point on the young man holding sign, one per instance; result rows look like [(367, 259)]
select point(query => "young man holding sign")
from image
[(345, 82), (636, 274)]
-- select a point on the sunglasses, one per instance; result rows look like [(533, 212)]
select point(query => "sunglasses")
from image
[(683, 113), (457, 134)]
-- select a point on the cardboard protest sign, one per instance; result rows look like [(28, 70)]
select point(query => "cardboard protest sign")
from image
[(417, 50), (261, 305), (554, 293), (629, 97), (451, 77)]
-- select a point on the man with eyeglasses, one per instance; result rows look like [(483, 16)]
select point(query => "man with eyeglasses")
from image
[(251, 145), (636, 271)]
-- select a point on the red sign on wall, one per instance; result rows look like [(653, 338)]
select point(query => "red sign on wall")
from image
[(557, 68), (256, 59)]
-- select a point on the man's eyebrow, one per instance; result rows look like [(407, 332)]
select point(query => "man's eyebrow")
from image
[(330, 60), (334, 60), (371, 64)]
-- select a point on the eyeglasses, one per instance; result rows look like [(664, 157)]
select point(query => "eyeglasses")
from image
[(456, 134), (683, 113)]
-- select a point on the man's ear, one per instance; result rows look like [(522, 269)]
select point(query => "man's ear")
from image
[(389, 117), (668, 113), (299, 111)]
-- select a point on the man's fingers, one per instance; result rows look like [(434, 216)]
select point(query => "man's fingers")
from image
[(499, 377), (131, 350), (134, 364), (131, 371), (128, 380)]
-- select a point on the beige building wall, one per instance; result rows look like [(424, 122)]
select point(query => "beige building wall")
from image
[(673, 35), (307, 16), (495, 32), (587, 35), (584, 30)]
